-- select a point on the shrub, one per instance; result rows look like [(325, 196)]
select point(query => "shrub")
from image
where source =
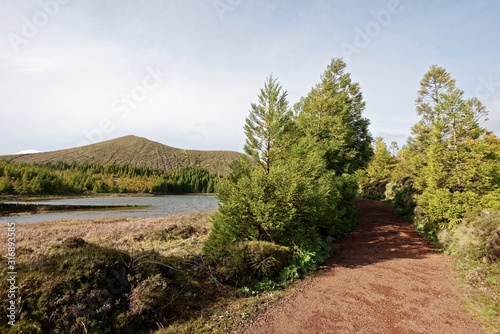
[(79, 287), (73, 242), (402, 195), (84, 288), (477, 237), (440, 208), (491, 200), (148, 297), (251, 261), (302, 263)]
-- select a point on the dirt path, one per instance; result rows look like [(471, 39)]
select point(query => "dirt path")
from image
[(386, 280)]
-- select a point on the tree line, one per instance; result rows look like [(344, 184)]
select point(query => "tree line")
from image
[(447, 176), (77, 178)]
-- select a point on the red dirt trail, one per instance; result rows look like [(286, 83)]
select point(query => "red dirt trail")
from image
[(386, 279)]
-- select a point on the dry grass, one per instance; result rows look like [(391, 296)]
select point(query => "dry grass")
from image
[(130, 235)]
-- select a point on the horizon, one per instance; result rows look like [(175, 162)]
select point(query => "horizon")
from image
[(185, 74)]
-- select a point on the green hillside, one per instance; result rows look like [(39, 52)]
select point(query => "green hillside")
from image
[(137, 152)]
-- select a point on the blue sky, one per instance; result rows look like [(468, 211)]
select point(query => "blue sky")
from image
[(184, 73)]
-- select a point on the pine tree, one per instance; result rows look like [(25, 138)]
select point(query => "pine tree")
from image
[(374, 179), (394, 148), (282, 193), (266, 123), (446, 151), (332, 113), (382, 163)]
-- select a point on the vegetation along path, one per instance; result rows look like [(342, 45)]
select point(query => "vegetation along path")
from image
[(385, 279)]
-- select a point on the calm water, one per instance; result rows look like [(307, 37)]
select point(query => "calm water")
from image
[(159, 206)]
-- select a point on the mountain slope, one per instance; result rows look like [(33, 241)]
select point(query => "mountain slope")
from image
[(135, 151)]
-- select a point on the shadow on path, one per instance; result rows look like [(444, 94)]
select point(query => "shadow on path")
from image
[(381, 235)]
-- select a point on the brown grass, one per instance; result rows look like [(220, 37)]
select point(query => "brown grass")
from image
[(130, 235)]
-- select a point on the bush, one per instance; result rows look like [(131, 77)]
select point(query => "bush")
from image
[(440, 208), (302, 263), (374, 188), (73, 242), (251, 261), (491, 200), (477, 237), (149, 296), (79, 287), (84, 288), (402, 195)]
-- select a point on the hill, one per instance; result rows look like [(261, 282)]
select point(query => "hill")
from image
[(135, 151)]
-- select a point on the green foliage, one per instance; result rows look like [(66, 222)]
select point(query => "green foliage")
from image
[(266, 124), (302, 263), (332, 113), (456, 169), (286, 195), (447, 173), (251, 261), (402, 196), (64, 178), (491, 200), (450, 164), (288, 206), (374, 179)]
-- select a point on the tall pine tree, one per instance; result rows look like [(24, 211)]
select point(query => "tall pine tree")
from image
[(446, 152), (266, 124), (332, 113)]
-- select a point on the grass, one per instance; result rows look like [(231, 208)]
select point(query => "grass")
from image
[(129, 235), (475, 246), (141, 275), (482, 283)]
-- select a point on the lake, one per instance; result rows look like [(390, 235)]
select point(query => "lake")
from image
[(157, 206)]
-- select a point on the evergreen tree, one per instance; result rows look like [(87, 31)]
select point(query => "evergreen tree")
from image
[(373, 180), (382, 163), (332, 113), (433, 85), (266, 124), (284, 194), (447, 151)]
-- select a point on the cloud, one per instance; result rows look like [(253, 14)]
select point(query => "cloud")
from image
[(67, 78), (30, 151)]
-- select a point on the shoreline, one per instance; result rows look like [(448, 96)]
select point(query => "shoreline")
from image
[(33, 198), (14, 209)]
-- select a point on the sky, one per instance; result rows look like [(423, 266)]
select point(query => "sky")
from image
[(184, 73)]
